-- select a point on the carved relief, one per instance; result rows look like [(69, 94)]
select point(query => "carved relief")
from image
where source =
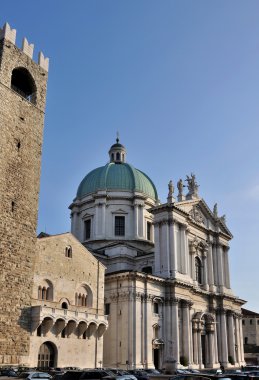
[(197, 215)]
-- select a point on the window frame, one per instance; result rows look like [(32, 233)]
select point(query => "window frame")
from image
[(119, 228)]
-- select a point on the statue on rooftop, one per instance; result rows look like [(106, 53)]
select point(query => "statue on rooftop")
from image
[(192, 185)]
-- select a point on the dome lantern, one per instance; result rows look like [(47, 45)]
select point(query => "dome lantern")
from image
[(117, 152)]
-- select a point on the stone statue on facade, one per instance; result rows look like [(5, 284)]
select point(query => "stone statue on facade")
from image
[(180, 187), (192, 186), (170, 197), (215, 210)]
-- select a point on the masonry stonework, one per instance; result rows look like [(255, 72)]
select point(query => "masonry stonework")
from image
[(21, 128)]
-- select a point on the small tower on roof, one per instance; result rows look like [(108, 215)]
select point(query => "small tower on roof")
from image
[(117, 152)]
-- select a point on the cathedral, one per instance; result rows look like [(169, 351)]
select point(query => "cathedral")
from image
[(136, 284)]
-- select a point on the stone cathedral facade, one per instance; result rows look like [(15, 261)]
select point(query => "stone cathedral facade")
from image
[(167, 289), (166, 298)]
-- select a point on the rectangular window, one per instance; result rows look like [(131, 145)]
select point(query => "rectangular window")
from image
[(149, 230), (107, 309), (155, 308), (88, 229), (119, 225)]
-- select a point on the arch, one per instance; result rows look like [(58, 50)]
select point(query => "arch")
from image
[(64, 305), (47, 355), (68, 251), (101, 330), (84, 296), (23, 83), (45, 290), (156, 328), (62, 301)]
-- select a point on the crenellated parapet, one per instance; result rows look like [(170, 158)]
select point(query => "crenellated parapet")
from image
[(9, 34)]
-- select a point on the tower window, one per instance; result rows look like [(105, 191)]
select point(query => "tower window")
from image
[(118, 156), (87, 229), (23, 83), (119, 225), (198, 270), (68, 251), (149, 230)]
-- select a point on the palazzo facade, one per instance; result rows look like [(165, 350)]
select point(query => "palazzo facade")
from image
[(168, 296)]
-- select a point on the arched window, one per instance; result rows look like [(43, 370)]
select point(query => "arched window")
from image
[(45, 291), (112, 156), (198, 270), (64, 305), (117, 156), (23, 83), (68, 251), (83, 296), (46, 355)]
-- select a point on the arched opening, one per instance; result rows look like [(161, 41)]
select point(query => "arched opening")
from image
[(47, 356), (64, 305), (83, 296), (23, 83), (45, 291)]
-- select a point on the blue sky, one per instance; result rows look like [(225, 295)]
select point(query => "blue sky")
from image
[(179, 80)]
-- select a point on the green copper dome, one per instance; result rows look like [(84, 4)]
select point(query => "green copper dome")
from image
[(114, 176), (117, 176)]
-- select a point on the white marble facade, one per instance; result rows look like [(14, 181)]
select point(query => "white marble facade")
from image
[(167, 290)]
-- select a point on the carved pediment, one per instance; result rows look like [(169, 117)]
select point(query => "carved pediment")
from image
[(197, 215)]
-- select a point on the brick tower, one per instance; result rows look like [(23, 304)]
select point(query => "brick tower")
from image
[(22, 104)]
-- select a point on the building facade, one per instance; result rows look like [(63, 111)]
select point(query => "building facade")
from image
[(167, 290), (250, 325)]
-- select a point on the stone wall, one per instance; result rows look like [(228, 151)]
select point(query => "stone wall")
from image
[(21, 128)]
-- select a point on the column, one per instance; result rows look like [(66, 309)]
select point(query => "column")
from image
[(199, 347), (220, 268), (205, 270), (186, 331), (216, 354), (237, 340), (241, 339), (157, 249), (103, 218), (175, 330), (210, 269), (141, 221), (193, 252), (211, 345), (183, 228), (223, 337), (227, 268), (195, 345), (173, 253), (136, 220), (165, 251), (218, 327), (231, 338)]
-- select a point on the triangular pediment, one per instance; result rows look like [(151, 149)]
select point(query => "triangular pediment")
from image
[(199, 212)]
